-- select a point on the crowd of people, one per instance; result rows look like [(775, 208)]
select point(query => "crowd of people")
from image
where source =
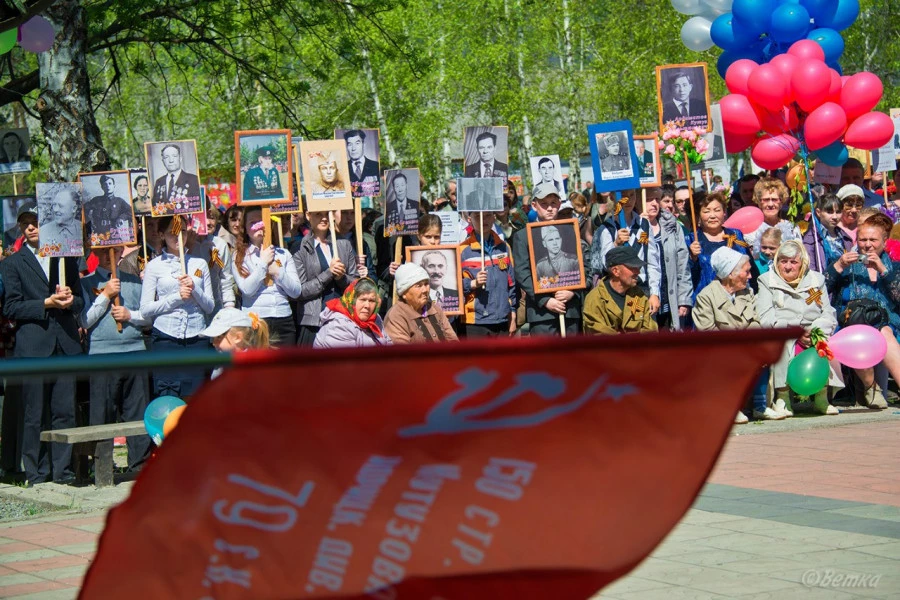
[(646, 269)]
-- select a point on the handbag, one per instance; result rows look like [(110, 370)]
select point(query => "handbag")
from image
[(863, 311)]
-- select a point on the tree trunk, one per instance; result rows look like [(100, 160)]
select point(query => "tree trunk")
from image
[(445, 172), (574, 137), (64, 104), (520, 74)]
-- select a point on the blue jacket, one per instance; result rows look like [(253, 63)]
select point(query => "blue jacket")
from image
[(494, 303)]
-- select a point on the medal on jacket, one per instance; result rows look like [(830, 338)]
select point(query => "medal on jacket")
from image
[(198, 273), (503, 263)]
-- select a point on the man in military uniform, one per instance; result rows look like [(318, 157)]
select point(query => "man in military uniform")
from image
[(263, 182), (617, 157), (556, 262), (109, 215)]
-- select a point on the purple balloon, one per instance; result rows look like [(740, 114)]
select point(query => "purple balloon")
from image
[(37, 35)]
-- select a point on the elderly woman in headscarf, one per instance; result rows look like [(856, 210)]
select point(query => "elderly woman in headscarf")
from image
[(727, 303), (415, 318), (352, 319), (790, 295)]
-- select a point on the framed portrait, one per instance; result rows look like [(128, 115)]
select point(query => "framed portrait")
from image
[(139, 188), (715, 157), (486, 152), (326, 180), (199, 222), (554, 248), (296, 203), (895, 117), (15, 151), (263, 164), (444, 274), (646, 153), (173, 169), (479, 194), (363, 160), (108, 213), (59, 219), (402, 198), (682, 92), (9, 209), (612, 155), (546, 170)]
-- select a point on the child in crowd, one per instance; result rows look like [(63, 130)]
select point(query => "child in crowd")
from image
[(768, 246), (770, 195), (489, 287), (233, 330), (829, 241)]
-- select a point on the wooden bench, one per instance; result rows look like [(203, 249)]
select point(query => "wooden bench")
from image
[(96, 441)]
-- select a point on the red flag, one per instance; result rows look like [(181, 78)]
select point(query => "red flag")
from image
[(524, 468)]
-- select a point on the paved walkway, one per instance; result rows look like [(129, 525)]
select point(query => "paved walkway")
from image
[(809, 509)]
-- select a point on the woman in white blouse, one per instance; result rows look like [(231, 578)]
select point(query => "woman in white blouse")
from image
[(267, 279), (178, 303)]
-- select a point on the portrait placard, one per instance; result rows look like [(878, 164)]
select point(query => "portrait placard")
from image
[(450, 226), (554, 248), (10, 209), (60, 230), (546, 169), (646, 152), (263, 165), (715, 157), (883, 160), (615, 166), (444, 274), (401, 202), (174, 172), (15, 151), (827, 174), (198, 222), (682, 93), (863, 157), (108, 213), (486, 152), (895, 117), (326, 179), (363, 160), (479, 194), (139, 188)]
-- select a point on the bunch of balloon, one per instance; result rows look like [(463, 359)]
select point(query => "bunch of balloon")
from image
[(157, 414)]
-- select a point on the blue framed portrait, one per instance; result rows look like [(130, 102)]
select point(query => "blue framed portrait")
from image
[(612, 156)]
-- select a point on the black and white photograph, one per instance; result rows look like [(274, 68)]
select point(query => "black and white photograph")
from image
[(262, 160), (59, 219), (479, 194), (401, 202), (363, 158), (444, 275), (15, 151), (612, 156), (174, 173), (646, 152), (895, 117), (683, 95), (326, 179), (486, 152), (108, 213), (556, 258), (10, 209), (139, 184), (545, 169)]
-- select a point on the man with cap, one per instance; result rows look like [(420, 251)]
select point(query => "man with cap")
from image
[(329, 183), (415, 318), (617, 158), (618, 304), (263, 181), (542, 310), (46, 317), (557, 261), (109, 216)]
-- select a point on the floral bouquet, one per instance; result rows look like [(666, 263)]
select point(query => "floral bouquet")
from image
[(679, 142)]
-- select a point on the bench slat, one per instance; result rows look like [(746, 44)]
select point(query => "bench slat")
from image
[(94, 433)]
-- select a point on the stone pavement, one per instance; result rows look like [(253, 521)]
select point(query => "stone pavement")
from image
[(805, 508)]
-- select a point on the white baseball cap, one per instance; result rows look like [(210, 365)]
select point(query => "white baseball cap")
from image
[(224, 320)]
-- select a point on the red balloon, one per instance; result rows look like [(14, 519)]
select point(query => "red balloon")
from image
[(861, 93), (738, 115), (771, 121), (834, 90), (804, 49), (737, 142), (825, 125), (791, 119), (767, 87), (737, 74), (810, 83), (786, 63), (870, 131), (775, 152)]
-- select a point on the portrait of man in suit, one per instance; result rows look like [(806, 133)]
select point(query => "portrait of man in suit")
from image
[(479, 194), (59, 207), (544, 170), (108, 215), (683, 96), (487, 164), (364, 180), (435, 263), (400, 207), (176, 187), (557, 261)]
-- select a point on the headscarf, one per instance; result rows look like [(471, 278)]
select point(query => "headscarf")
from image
[(346, 305), (724, 260), (804, 261)]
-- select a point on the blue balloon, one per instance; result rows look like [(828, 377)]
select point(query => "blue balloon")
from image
[(156, 413), (727, 58), (817, 8), (836, 67), (727, 37), (831, 41), (841, 17), (833, 155), (790, 22), (755, 12)]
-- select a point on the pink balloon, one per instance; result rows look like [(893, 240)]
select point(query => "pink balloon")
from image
[(767, 87), (786, 63), (861, 93), (36, 34), (869, 132), (834, 90), (747, 219), (858, 346), (810, 83), (738, 115), (825, 125), (807, 49), (737, 74), (737, 142), (775, 152)]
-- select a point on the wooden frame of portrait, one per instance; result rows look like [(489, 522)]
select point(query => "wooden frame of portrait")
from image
[(172, 208), (544, 285), (653, 141), (659, 91), (94, 239), (318, 199), (279, 137), (445, 249)]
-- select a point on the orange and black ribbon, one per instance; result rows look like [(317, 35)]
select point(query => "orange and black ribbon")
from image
[(619, 206), (814, 296), (176, 225), (732, 240), (216, 259), (644, 238)]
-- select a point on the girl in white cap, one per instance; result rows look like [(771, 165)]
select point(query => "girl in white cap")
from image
[(234, 331)]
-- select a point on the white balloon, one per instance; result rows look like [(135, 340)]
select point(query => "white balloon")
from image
[(688, 7), (695, 34), (723, 6)]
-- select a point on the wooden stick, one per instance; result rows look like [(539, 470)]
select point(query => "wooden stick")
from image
[(481, 232), (280, 229), (181, 249), (357, 225), (398, 255), (114, 275), (15, 186), (334, 248), (62, 271), (687, 174), (144, 240), (884, 188), (644, 202), (267, 230), (562, 325)]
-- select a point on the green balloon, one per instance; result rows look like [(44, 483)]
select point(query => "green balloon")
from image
[(8, 40), (808, 373)]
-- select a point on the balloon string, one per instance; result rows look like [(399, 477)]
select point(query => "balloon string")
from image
[(817, 244)]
